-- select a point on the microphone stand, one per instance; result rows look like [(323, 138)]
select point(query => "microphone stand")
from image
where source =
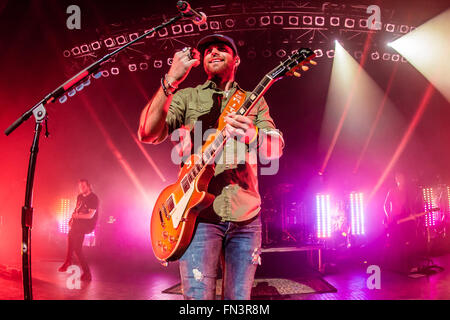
[(40, 114)]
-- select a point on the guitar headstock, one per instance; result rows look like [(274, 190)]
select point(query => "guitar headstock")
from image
[(297, 60)]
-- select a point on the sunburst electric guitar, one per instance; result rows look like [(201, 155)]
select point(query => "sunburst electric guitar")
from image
[(177, 207)]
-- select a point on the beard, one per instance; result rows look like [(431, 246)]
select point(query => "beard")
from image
[(218, 70)]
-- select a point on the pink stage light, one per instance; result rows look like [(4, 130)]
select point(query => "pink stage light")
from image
[(429, 204), (357, 213), (323, 215), (64, 215)]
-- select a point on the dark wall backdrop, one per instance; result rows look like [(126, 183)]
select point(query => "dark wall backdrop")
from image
[(90, 134)]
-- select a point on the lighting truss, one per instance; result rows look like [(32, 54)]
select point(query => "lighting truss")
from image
[(290, 23)]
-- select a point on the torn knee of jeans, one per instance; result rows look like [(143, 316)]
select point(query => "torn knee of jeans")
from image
[(198, 275), (256, 256)]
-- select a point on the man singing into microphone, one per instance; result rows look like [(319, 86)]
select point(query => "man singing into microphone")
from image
[(231, 227)]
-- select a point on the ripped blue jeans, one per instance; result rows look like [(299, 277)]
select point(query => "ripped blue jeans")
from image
[(239, 242)]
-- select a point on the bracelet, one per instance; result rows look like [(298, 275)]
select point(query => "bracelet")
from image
[(167, 92), (170, 85)]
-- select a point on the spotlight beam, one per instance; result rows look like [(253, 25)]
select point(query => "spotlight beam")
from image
[(377, 119), (405, 139), (349, 99), (427, 48), (115, 151), (134, 137)]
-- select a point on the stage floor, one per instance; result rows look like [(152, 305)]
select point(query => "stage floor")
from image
[(111, 283)]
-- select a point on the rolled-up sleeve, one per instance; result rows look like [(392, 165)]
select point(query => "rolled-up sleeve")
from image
[(176, 113), (264, 121)]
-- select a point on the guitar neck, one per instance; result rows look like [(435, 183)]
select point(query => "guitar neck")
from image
[(211, 148)]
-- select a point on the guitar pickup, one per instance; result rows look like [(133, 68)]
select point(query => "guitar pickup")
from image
[(161, 218)]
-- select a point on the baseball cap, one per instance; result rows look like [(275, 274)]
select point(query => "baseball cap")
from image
[(216, 38)]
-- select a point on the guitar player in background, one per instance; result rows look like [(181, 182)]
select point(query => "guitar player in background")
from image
[(230, 228), (83, 221), (401, 207)]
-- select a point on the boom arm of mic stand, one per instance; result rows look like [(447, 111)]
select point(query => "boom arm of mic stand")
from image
[(82, 75)]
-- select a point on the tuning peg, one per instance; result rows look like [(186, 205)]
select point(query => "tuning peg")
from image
[(312, 62), (297, 74), (305, 68)]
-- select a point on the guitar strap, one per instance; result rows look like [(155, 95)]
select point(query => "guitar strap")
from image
[(233, 105)]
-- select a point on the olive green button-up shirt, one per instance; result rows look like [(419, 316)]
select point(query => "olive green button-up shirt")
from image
[(235, 181)]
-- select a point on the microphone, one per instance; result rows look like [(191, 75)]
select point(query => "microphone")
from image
[(197, 17)]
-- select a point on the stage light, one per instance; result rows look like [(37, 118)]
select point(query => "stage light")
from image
[(214, 25), (389, 44), (390, 27), (375, 55), (143, 66), (319, 21), (335, 21), (66, 53), (157, 64), (278, 20), (105, 73), (109, 43), (188, 28), (429, 205), (203, 27), (357, 213), (357, 54), (169, 61), (95, 45), (163, 32), (115, 71), (64, 215), (267, 53), (264, 21), (75, 51), (230, 23), (323, 215), (71, 93), (63, 99), (84, 48), (151, 34), (97, 75), (330, 53), (427, 48), (176, 29), (281, 53), (133, 36), (404, 28), (307, 20), (79, 87), (121, 40), (250, 21), (318, 53), (293, 20), (132, 67), (349, 23), (395, 57), (386, 56), (363, 23)]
